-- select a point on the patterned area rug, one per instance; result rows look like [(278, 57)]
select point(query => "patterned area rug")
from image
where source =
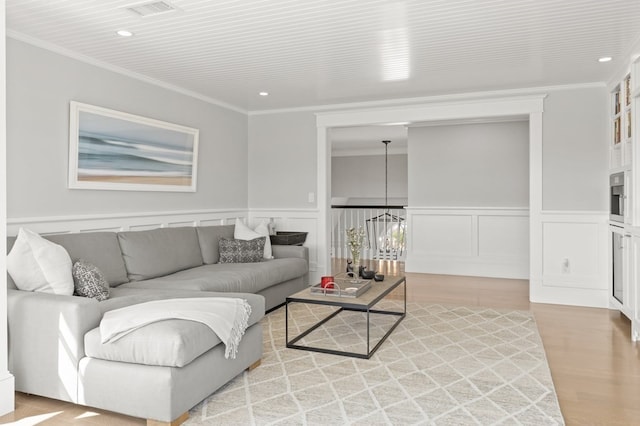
[(441, 366)]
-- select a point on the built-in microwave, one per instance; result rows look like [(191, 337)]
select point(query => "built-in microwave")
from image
[(617, 197)]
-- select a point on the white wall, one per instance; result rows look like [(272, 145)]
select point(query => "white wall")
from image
[(575, 150), (282, 160), (469, 165), (575, 243), (40, 85), (282, 175), (361, 178), (469, 198)]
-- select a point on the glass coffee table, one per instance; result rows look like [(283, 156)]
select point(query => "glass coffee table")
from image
[(363, 305)]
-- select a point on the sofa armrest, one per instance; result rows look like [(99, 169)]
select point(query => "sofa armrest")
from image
[(281, 251), (46, 341)]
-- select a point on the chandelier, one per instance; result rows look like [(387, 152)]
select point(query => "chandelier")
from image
[(386, 231)]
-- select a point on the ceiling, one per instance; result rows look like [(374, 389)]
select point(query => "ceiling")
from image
[(318, 52)]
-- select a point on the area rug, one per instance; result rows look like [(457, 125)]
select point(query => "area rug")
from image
[(442, 365)]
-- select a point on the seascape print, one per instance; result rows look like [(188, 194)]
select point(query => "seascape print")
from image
[(103, 158), (115, 153)]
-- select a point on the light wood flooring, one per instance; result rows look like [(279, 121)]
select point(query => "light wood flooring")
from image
[(594, 365)]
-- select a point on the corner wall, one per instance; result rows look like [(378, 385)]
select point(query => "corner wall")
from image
[(575, 151), (575, 243), (282, 160), (7, 383), (282, 176)]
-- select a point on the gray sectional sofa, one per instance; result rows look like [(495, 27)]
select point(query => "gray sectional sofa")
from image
[(162, 370)]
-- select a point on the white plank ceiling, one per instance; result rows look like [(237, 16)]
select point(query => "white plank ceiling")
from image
[(315, 52)]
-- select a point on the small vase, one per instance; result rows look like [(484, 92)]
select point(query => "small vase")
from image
[(355, 258)]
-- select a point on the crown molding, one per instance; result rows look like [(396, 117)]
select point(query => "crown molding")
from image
[(113, 68)]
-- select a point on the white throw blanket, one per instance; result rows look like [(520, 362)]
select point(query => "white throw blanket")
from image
[(227, 317)]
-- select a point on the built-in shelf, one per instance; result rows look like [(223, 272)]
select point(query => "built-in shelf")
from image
[(625, 237)]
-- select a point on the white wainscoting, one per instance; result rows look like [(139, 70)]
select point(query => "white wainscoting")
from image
[(285, 220), (302, 220), (123, 222), (489, 242), (575, 259)]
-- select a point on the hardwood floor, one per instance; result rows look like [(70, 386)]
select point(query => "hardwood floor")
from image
[(594, 365)]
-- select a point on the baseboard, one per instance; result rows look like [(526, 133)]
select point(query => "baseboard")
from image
[(587, 297), (7, 394), (512, 268)]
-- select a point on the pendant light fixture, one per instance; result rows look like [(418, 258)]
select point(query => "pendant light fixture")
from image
[(386, 231)]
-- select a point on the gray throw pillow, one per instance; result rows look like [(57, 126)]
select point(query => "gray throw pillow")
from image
[(89, 281), (241, 251)]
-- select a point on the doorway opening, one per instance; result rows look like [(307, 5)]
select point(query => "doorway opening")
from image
[(457, 109), (369, 195)]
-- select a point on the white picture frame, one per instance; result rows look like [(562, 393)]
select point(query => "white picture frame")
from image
[(114, 150)]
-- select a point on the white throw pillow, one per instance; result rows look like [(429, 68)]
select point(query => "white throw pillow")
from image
[(243, 232), (36, 264)]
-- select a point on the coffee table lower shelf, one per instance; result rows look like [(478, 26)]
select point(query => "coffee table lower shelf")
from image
[(344, 306)]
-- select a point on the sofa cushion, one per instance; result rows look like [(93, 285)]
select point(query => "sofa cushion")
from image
[(89, 281), (241, 251), (243, 232), (36, 264), (158, 252), (172, 343), (238, 277), (100, 248), (209, 237)]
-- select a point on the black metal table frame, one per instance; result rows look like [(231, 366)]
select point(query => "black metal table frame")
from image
[(345, 306)]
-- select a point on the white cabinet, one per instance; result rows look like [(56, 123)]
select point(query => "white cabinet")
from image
[(634, 277), (621, 290), (624, 243), (621, 125)]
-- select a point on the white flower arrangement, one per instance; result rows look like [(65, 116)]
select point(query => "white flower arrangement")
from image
[(355, 240)]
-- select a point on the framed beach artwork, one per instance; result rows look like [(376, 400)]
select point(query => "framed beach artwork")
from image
[(114, 150)]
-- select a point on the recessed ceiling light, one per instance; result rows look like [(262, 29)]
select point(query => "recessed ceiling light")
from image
[(263, 93), (124, 33), (605, 59)]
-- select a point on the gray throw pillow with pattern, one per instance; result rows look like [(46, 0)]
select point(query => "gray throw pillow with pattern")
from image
[(241, 251), (89, 281)]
